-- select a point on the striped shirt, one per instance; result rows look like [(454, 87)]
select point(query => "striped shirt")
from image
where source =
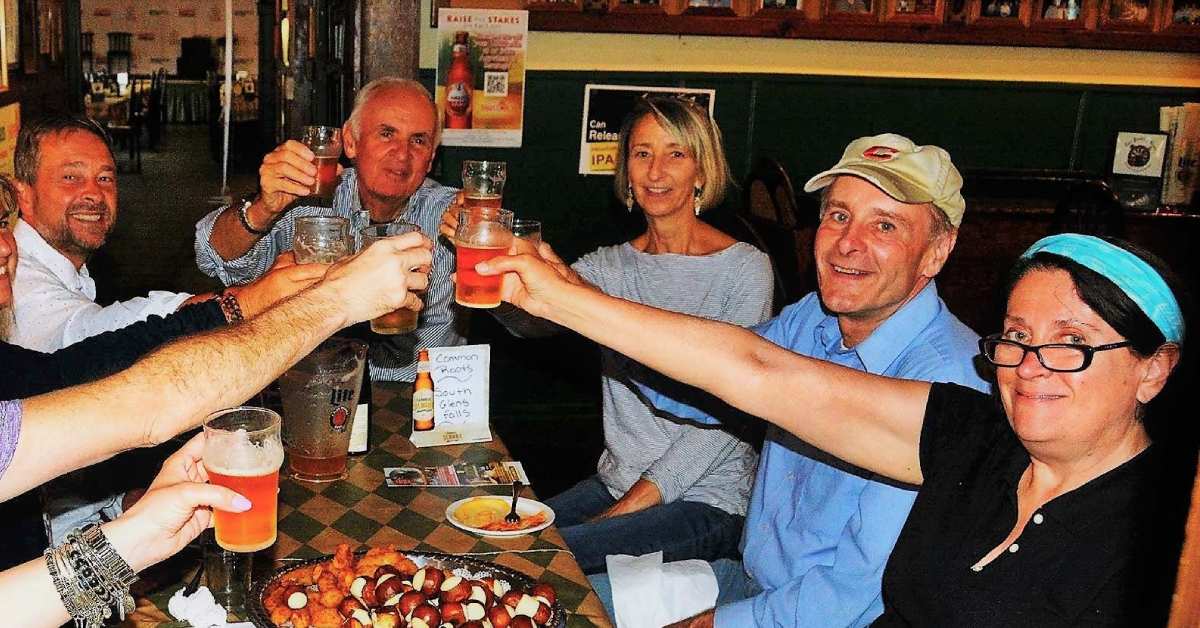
[(685, 461), (393, 358)]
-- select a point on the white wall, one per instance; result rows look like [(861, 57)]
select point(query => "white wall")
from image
[(159, 25)]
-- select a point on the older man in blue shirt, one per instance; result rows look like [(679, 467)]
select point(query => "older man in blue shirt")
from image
[(819, 531)]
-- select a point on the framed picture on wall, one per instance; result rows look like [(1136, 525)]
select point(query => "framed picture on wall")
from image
[(783, 5), (1014, 13), (1128, 14), (1059, 13), (1182, 14), (852, 10), (915, 11)]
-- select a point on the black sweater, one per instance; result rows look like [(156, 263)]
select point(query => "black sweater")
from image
[(26, 373)]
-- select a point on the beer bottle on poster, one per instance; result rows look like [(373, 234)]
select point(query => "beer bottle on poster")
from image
[(460, 83), (423, 395)]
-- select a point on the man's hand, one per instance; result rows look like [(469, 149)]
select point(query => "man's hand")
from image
[(642, 495), (450, 216), (703, 620), (382, 277), (287, 173), (284, 279)]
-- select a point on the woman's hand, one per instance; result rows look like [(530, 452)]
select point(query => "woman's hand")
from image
[(284, 279), (183, 465), (173, 511)]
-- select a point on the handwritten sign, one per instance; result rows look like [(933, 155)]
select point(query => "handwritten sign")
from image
[(461, 380)]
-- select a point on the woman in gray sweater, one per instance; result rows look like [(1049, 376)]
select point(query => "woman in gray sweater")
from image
[(660, 484)]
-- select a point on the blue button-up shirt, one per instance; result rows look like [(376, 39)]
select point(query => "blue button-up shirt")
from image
[(393, 358), (819, 531)]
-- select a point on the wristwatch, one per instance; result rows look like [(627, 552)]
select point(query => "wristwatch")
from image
[(243, 205)]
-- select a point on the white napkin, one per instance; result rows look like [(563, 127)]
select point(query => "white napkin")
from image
[(201, 610), (649, 594)]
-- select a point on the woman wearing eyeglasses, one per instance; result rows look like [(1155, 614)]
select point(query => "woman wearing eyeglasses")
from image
[(1041, 508)]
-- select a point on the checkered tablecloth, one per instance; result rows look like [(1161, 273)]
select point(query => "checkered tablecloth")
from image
[(363, 510)]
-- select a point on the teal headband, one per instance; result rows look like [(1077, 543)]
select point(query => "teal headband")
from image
[(1137, 279)]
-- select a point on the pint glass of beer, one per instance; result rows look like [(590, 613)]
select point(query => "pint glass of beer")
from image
[(242, 451), (326, 143), (320, 395), (483, 183), (483, 233), (403, 320)]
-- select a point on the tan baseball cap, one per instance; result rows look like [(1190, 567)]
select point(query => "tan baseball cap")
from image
[(905, 171)]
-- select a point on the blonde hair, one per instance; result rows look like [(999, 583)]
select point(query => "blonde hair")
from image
[(690, 125)]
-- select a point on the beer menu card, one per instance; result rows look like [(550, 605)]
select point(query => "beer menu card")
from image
[(459, 474), (461, 378)]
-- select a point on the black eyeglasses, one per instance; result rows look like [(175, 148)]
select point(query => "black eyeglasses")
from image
[(1060, 358)]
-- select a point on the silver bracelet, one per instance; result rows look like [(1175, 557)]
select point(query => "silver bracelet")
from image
[(91, 578)]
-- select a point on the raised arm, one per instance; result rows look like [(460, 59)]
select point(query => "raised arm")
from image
[(870, 421), (176, 386)]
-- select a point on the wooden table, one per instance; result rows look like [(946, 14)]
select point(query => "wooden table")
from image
[(111, 110), (362, 509)]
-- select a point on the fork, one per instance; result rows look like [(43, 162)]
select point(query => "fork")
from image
[(512, 516)]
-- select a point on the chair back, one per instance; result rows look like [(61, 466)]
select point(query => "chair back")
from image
[(120, 42), (771, 214)]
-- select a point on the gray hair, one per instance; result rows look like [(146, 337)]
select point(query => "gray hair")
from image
[(387, 83)]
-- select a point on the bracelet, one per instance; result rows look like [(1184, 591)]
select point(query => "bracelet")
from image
[(231, 308), (245, 220), (91, 578)]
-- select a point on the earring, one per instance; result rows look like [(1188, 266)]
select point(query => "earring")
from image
[(699, 191), (629, 196)]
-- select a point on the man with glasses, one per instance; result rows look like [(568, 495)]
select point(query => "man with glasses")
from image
[(819, 531)]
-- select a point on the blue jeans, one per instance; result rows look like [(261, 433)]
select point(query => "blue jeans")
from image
[(733, 585), (681, 530)]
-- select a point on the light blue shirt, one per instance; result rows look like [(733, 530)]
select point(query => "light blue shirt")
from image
[(819, 531), (393, 358)]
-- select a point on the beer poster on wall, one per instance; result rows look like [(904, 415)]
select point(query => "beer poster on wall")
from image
[(605, 108), (481, 76)]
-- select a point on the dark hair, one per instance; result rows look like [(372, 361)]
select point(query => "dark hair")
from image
[(29, 141), (1105, 298)]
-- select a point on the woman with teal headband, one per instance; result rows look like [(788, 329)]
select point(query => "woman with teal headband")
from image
[(1042, 506)]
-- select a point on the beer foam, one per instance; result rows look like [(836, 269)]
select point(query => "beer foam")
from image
[(232, 453), (486, 234)]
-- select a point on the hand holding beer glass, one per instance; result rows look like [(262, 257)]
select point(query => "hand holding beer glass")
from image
[(482, 233), (243, 452), (403, 320), (326, 144)]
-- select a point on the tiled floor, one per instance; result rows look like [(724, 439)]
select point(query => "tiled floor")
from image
[(546, 392)]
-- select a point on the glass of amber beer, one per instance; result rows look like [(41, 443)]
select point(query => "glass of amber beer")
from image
[(403, 320), (482, 233), (242, 451), (483, 183), (326, 143)]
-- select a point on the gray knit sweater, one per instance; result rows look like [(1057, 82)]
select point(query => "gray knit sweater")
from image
[(684, 461)]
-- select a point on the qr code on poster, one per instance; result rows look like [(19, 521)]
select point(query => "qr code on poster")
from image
[(495, 83)]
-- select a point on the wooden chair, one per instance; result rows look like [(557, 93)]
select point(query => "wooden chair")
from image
[(156, 108), (771, 213), (129, 131)]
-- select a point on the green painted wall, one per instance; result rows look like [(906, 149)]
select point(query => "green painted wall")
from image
[(805, 122)]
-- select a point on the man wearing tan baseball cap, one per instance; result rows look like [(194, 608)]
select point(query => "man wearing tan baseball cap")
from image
[(818, 531)]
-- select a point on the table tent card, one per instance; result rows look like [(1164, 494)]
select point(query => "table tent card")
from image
[(461, 379), (494, 473)]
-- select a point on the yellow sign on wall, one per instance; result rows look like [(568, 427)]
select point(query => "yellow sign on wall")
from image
[(10, 124)]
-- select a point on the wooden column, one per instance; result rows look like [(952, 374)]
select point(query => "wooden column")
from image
[(391, 38)]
